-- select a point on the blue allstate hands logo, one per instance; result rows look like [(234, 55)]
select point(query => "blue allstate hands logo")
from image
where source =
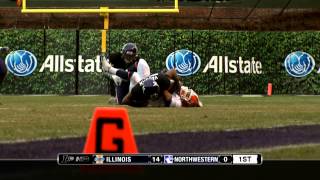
[(21, 62), (299, 64), (186, 62)]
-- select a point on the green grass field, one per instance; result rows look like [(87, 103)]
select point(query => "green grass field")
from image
[(294, 152), (25, 118), (40, 117)]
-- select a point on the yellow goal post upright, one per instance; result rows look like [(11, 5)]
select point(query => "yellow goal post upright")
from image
[(103, 11)]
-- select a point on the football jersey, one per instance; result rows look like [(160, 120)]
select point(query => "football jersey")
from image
[(161, 78), (139, 98)]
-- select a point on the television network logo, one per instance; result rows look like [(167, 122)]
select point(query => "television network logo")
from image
[(186, 62), (21, 63), (299, 64)]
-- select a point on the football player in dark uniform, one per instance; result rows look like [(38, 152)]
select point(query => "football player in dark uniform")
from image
[(3, 69), (159, 86), (128, 62)]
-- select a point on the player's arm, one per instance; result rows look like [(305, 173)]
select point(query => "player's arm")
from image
[(175, 86), (171, 73), (167, 97), (107, 68), (171, 100)]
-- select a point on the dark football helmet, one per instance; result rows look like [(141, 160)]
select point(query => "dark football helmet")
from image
[(129, 52), (151, 89)]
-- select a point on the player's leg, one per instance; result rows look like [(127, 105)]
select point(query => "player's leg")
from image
[(115, 71), (121, 87), (112, 89), (114, 86), (135, 78), (175, 101), (143, 71), (121, 91)]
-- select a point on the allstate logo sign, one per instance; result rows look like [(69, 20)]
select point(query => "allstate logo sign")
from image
[(21, 63), (186, 62), (299, 64)]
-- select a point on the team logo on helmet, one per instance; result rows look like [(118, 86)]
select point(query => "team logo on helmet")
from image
[(21, 62), (299, 64), (186, 62)]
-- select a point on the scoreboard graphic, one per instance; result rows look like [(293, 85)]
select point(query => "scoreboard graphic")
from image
[(159, 159)]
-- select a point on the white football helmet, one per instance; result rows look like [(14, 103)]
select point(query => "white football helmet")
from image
[(189, 97)]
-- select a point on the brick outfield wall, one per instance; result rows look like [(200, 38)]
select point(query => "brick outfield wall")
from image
[(189, 18)]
